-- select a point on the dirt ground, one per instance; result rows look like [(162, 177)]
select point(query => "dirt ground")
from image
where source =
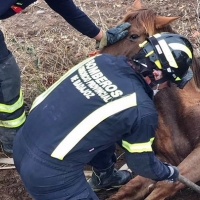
[(45, 47)]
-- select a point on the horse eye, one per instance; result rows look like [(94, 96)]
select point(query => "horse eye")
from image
[(133, 37)]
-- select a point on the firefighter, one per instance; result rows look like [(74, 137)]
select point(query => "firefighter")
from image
[(12, 115), (99, 102)]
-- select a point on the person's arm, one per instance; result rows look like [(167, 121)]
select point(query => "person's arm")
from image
[(147, 165), (139, 154), (74, 16), (81, 22)]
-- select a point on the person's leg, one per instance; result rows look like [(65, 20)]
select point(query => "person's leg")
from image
[(104, 175), (12, 114), (104, 159), (46, 180)]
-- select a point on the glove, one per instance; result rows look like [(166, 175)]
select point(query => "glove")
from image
[(174, 173), (113, 35)]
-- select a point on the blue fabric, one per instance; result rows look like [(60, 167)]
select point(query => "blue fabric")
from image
[(104, 159), (44, 180), (66, 8), (6, 11), (3, 48), (74, 16), (5, 6)]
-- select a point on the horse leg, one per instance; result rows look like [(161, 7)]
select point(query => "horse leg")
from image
[(189, 168), (135, 189), (139, 187)]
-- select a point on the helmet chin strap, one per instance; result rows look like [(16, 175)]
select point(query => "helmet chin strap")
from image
[(161, 80), (156, 90), (145, 67)]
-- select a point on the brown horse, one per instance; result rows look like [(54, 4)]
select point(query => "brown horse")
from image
[(177, 139)]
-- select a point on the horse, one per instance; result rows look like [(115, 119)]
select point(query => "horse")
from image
[(177, 139)]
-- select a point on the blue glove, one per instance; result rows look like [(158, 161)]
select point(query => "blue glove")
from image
[(113, 35), (174, 173)]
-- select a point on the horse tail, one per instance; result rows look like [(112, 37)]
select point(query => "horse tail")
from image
[(196, 70)]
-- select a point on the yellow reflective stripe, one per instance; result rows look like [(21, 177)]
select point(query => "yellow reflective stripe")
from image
[(42, 96), (178, 46), (90, 122), (143, 44), (151, 52), (177, 79), (11, 108), (14, 123), (168, 54), (139, 147), (157, 62), (151, 140)]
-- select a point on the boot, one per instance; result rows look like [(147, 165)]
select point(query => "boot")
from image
[(6, 138), (109, 178)]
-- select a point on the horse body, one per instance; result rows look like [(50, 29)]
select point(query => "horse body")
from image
[(177, 139)]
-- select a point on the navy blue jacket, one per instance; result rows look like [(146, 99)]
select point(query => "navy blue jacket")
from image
[(66, 8), (95, 84)]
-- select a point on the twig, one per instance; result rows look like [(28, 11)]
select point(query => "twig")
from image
[(12, 167), (7, 161), (98, 12), (120, 155)]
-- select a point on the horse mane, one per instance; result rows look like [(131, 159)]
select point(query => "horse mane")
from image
[(146, 18)]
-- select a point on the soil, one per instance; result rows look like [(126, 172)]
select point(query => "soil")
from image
[(45, 47)]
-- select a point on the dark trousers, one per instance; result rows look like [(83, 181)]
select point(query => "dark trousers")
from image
[(11, 114), (46, 180), (104, 159)]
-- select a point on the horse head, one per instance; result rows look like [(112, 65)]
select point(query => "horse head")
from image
[(144, 23)]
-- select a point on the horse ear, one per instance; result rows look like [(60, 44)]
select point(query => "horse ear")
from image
[(163, 21), (137, 5)]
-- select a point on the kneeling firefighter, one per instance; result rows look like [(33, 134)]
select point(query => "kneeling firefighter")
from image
[(101, 101)]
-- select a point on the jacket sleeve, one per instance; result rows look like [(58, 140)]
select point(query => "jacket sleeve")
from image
[(138, 144), (5, 6), (74, 16)]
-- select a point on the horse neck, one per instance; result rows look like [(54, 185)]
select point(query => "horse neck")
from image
[(115, 49), (169, 105)]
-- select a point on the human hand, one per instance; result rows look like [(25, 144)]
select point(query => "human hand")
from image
[(113, 35)]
